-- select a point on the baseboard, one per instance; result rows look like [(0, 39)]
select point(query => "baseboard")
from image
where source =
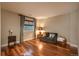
[(27, 40), (73, 45), (4, 45)]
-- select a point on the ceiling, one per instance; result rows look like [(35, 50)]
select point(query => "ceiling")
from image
[(40, 9)]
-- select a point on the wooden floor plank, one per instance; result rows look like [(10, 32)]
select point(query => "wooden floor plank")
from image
[(38, 48), (14, 53), (2, 53), (17, 49), (7, 51)]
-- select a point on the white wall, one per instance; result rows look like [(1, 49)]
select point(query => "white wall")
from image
[(64, 25), (9, 21)]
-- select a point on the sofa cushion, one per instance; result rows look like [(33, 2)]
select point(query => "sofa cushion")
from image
[(61, 39), (51, 35)]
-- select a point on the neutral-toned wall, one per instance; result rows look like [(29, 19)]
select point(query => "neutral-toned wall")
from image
[(10, 21), (73, 27), (78, 30), (0, 28), (64, 25)]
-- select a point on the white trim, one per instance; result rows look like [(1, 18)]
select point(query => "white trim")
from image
[(26, 39), (73, 45), (4, 45)]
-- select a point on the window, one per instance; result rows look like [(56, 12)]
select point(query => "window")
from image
[(29, 25)]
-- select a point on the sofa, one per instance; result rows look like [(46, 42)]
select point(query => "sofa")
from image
[(54, 38), (50, 37)]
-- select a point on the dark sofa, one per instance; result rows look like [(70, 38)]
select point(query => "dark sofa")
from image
[(50, 37)]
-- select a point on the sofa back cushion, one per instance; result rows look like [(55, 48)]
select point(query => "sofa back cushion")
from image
[(51, 35)]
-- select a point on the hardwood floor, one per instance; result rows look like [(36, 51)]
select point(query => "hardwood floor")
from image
[(37, 48)]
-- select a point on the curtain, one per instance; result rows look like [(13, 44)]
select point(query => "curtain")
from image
[(22, 18)]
